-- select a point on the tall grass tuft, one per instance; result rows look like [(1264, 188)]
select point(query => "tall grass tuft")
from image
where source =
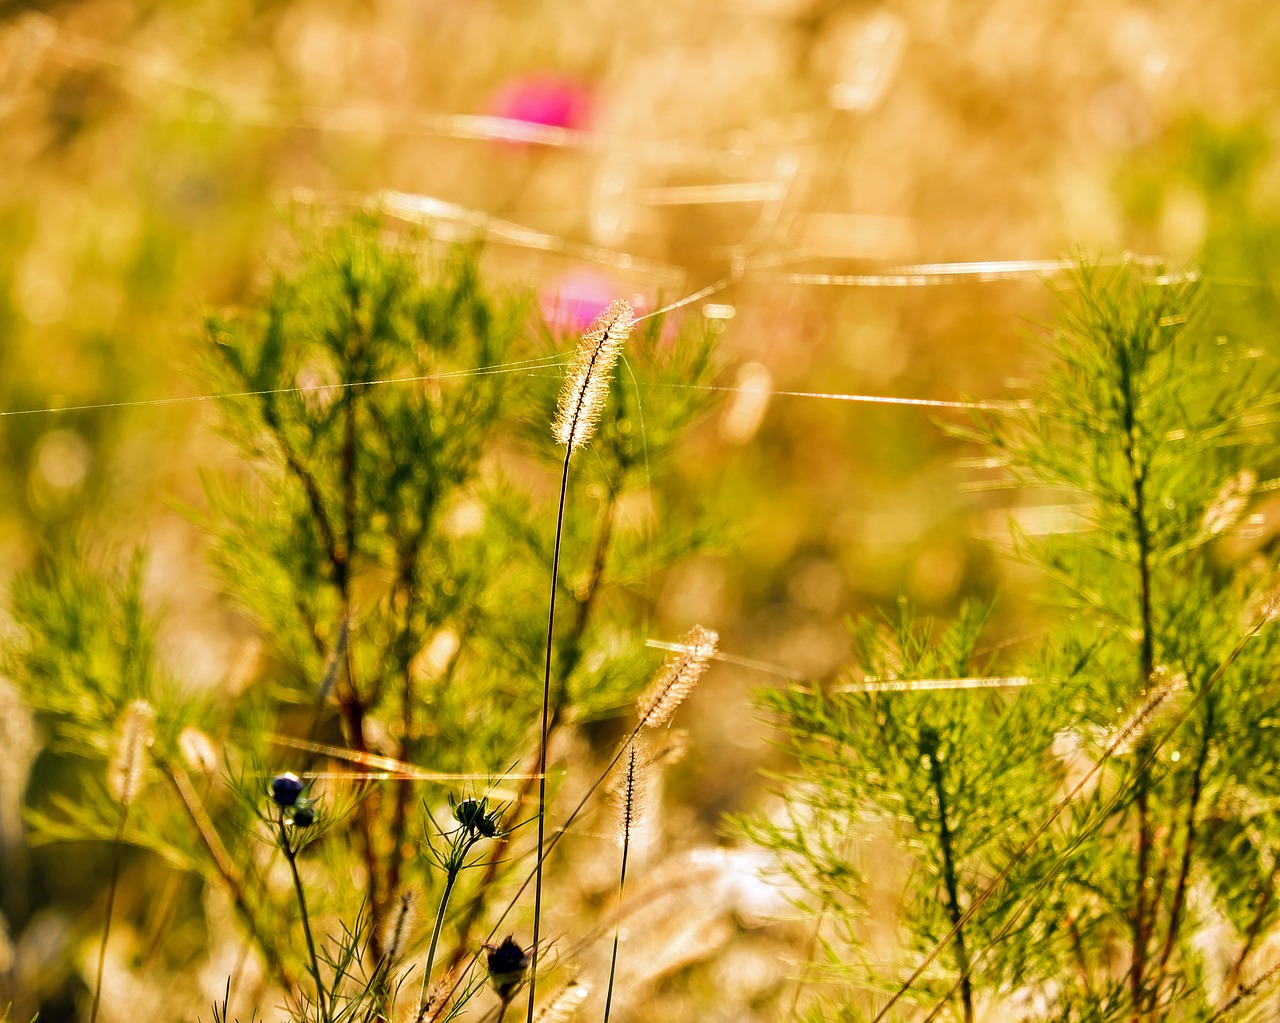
[(577, 413)]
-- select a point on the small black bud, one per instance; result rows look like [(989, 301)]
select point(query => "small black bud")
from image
[(473, 814), (507, 963), (303, 817), (286, 788)]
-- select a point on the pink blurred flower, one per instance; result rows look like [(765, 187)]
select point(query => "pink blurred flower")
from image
[(570, 302), (556, 101)]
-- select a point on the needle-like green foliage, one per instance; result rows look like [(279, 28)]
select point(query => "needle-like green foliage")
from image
[(1097, 838), (381, 523)]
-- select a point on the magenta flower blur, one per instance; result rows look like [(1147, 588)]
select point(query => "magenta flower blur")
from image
[(571, 301), (544, 98)]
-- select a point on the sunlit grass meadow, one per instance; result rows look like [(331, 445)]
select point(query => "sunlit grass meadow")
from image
[(759, 511)]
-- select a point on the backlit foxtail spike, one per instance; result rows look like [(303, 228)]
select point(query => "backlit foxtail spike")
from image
[(677, 676), (629, 793), (1128, 734), (587, 379), (564, 1006), (197, 750), (129, 761), (399, 925)]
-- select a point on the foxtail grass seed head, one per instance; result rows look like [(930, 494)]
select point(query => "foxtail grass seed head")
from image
[(397, 929), (1228, 506), (629, 793), (587, 381), (134, 736), (1127, 734), (677, 676), (197, 750), (564, 1006)]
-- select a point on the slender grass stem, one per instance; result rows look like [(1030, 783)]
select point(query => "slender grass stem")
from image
[(627, 818), (542, 744), (570, 655), (450, 879), (291, 855), (231, 877), (111, 901), (617, 928)]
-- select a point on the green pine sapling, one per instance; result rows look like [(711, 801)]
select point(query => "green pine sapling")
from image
[(1098, 844), (370, 533)]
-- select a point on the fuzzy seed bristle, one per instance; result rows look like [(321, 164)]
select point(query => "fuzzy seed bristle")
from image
[(1228, 506), (629, 793), (1126, 735), (399, 924), (677, 676), (197, 750), (587, 379), (563, 1007), (129, 762)]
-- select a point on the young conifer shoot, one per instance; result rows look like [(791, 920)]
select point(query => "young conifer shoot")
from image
[(577, 413)]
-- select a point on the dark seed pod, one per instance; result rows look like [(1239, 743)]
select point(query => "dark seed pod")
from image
[(507, 965), (473, 814), (303, 817), (286, 788)]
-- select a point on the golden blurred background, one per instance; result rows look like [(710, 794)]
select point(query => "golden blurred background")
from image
[(876, 192)]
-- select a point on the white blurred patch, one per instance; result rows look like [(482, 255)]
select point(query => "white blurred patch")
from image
[(62, 459), (745, 411)]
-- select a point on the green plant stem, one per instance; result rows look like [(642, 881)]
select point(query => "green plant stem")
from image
[(1188, 847), (406, 584), (111, 901), (542, 744), (953, 888), (328, 539), (292, 857), (1146, 658), (1110, 808), (450, 878), (227, 871), (498, 854)]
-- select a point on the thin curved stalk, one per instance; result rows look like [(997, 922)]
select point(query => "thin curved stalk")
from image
[(292, 857)]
